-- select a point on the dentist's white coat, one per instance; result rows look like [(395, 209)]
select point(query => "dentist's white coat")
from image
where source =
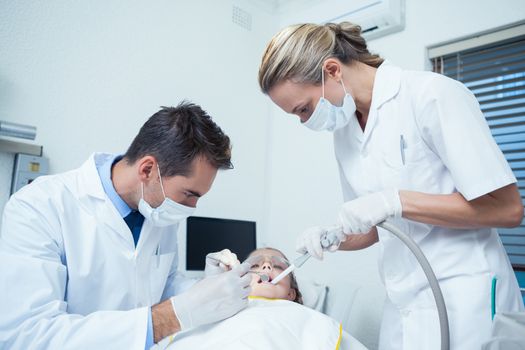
[(448, 148), (70, 275)]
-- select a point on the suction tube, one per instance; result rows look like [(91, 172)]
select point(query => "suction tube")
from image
[(432, 280)]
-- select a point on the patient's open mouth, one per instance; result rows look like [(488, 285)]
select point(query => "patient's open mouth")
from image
[(264, 278)]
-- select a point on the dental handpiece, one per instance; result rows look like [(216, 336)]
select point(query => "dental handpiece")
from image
[(327, 240), (330, 237)]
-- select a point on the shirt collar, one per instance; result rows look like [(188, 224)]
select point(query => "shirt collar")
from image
[(386, 84), (104, 172)]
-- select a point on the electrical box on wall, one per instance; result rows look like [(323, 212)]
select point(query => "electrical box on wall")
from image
[(26, 169)]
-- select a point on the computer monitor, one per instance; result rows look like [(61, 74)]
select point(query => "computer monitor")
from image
[(207, 235)]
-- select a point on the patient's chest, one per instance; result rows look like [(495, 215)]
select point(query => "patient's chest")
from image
[(267, 324)]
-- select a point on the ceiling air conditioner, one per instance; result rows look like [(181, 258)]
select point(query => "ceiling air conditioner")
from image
[(377, 18)]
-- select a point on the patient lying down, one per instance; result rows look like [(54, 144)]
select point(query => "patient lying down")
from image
[(271, 262), (274, 318)]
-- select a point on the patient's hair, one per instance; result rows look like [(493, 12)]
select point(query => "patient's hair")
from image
[(293, 281)]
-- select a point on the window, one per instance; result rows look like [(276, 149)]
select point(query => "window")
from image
[(492, 66)]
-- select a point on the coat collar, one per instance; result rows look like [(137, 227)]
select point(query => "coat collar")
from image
[(386, 84), (90, 183), (90, 186)]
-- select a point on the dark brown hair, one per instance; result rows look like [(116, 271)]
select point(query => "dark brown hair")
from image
[(175, 136)]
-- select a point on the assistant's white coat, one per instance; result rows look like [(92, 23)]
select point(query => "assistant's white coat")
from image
[(426, 133)]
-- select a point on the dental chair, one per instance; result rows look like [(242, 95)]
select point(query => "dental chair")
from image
[(351, 306)]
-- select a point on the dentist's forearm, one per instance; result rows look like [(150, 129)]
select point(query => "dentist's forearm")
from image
[(164, 320), (360, 241), (500, 208)]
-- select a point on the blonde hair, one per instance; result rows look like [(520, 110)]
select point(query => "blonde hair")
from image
[(298, 52)]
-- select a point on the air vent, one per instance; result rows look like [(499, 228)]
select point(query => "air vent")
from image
[(242, 18)]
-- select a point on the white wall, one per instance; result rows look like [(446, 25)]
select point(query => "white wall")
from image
[(304, 185), (89, 73)]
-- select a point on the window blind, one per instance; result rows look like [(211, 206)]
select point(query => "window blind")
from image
[(495, 73)]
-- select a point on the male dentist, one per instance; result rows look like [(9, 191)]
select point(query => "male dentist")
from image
[(89, 257)]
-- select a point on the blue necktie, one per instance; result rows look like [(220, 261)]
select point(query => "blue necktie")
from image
[(134, 220)]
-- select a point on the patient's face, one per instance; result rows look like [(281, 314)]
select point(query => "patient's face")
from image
[(271, 263)]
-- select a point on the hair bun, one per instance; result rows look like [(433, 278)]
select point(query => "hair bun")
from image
[(348, 28), (334, 27)]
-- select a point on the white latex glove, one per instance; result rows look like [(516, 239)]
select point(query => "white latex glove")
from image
[(220, 262), (310, 240), (363, 213), (213, 298)]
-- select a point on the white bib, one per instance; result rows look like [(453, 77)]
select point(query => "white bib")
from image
[(265, 324)]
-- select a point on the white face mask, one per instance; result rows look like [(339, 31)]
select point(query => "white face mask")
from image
[(167, 213), (326, 116)]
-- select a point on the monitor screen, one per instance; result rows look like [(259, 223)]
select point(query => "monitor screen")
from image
[(207, 235)]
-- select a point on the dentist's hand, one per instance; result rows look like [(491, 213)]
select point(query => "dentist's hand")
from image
[(213, 298), (363, 213), (310, 240), (220, 262)]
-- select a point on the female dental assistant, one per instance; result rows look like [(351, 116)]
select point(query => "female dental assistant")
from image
[(415, 148)]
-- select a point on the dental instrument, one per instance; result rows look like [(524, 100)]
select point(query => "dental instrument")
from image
[(220, 263), (264, 277), (327, 240)]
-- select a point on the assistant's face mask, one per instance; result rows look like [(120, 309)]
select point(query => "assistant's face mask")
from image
[(326, 116), (167, 213)]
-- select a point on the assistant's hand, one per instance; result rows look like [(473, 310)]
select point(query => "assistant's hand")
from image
[(220, 262), (363, 213), (213, 298), (310, 240)]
